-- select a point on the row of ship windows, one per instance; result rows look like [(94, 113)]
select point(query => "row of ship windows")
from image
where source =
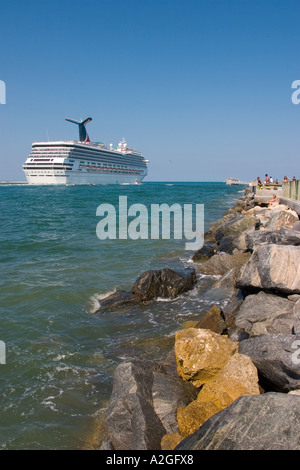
[(102, 164), (72, 161), (48, 160), (60, 171)]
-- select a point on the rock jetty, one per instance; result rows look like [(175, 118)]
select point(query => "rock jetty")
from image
[(232, 380)]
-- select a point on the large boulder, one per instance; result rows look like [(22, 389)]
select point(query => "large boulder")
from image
[(201, 354), (272, 267), (222, 289), (282, 236), (277, 360), (194, 415), (220, 263), (233, 244), (168, 394), (281, 217), (209, 236), (143, 405), (238, 377), (268, 313), (165, 283), (234, 228), (262, 422)]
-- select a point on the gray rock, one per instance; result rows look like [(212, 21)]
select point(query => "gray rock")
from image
[(231, 308), (282, 236), (229, 313), (206, 252), (220, 263), (131, 421), (255, 422), (143, 404), (231, 244), (281, 218), (234, 228), (277, 360), (272, 267), (170, 393), (222, 290), (165, 283), (296, 226), (209, 236), (267, 313)]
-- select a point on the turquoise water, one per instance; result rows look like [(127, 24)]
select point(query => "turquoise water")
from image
[(60, 356)]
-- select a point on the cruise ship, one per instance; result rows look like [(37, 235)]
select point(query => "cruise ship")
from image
[(84, 162)]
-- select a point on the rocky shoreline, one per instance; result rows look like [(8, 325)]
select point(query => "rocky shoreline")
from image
[(232, 379)]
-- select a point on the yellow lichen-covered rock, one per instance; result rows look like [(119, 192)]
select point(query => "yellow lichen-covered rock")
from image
[(191, 417), (171, 440), (201, 354), (238, 377)]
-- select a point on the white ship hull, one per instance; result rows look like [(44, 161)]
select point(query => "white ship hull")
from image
[(81, 178)]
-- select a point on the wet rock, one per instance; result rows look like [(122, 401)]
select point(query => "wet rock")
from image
[(262, 422), (276, 357), (223, 289), (201, 354), (206, 252), (272, 267), (164, 283), (118, 300)]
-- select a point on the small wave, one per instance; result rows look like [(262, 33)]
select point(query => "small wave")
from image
[(164, 299), (95, 301)]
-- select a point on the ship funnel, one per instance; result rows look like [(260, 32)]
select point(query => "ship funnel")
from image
[(83, 136)]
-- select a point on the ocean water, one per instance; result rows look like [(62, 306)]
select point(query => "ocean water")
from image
[(60, 355)]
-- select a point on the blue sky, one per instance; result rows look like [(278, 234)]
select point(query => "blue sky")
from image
[(201, 87)]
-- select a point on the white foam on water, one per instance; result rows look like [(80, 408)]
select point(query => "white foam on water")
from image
[(95, 301)]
